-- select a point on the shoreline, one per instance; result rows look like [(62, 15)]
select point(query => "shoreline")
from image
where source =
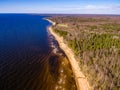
[(81, 80)]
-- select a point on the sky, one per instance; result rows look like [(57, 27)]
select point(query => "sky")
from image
[(61, 6)]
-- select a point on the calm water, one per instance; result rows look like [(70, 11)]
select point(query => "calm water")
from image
[(28, 60)]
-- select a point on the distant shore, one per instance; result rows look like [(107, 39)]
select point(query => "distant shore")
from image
[(81, 81)]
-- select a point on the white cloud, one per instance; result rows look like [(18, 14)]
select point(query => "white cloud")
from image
[(76, 9), (96, 9)]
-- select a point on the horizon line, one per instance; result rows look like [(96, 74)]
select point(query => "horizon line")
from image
[(55, 13)]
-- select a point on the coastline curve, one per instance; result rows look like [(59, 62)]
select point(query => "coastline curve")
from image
[(81, 80)]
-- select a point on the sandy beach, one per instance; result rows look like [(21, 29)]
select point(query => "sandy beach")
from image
[(81, 81)]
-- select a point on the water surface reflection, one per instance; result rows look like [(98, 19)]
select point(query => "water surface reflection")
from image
[(28, 58)]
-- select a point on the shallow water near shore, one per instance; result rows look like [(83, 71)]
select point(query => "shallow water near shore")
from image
[(30, 57)]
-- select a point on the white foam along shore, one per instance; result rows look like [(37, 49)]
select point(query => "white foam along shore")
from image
[(81, 80)]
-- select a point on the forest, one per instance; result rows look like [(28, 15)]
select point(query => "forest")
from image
[(95, 41)]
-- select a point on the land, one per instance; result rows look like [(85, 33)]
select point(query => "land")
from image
[(81, 80), (94, 45)]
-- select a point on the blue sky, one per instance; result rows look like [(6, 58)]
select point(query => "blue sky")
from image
[(61, 6)]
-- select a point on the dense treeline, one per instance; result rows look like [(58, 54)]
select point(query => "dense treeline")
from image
[(61, 33), (96, 44)]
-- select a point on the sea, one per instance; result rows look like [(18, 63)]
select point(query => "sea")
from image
[(30, 57)]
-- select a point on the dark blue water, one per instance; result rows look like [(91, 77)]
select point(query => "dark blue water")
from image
[(26, 62), (23, 32)]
